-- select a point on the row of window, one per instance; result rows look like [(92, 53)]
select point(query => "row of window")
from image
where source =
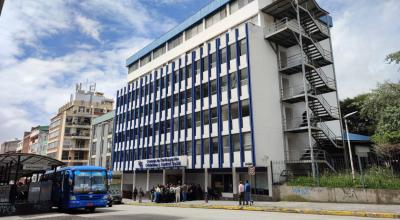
[(185, 73), (210, 146), (190, 32), (209, 116), (179, 99)]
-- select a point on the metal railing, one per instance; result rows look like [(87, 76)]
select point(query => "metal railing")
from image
[(330, 82), (322, 28), (332, 110), (328, 132), (283, 23)]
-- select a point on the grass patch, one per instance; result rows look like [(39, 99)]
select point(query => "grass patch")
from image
[(374, 178)]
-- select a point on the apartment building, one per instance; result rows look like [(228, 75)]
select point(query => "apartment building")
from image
[(38, 140), (101, 140), (9, 146), (239, 84), (69, 130)]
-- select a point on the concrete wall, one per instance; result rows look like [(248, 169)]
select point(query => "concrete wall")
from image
[(343, 195)]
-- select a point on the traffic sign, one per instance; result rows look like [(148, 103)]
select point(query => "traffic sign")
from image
[(252, 171)]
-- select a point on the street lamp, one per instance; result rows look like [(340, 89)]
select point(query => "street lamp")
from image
[(348, 143)]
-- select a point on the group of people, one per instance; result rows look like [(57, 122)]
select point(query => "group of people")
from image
[(171, 193), (245, 193)]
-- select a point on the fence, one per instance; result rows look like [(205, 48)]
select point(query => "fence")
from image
[(370, 171)]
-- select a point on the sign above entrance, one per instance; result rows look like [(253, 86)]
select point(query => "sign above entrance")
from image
[(35, 167), (160, 163)]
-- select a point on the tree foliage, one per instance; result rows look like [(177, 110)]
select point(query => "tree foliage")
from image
[(393, 57), (379, 116)]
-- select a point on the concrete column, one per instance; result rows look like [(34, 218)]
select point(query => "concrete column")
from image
[(122, 184), (205, 180), (148, 181), (164, 177), (183, 176), (133, 180), (270, 179), (234, 181)]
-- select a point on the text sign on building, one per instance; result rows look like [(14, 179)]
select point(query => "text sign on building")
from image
[(160, 163), (36, 167)]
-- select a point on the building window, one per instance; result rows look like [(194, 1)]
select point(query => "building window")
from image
[(175, 42), (236, 142), (214, 18), (146, 59), (159, 51), (242, 47), (247, 141), (194, 30), (243, 77), (65, 155), (133, 67)]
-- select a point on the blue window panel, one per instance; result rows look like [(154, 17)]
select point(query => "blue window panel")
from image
[(253, 155), (239, 101), (172, 110), (148, 117), (144, 118), (114, 159), (186, 104), (209, 105), (231, 157), (166, 112), (134, 109), (201, 110), (139, 156), (127, 129), (219, 98), (154, 113), (179, 108), (159, 114), (193, 111)]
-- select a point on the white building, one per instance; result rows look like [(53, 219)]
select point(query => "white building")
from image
[(241, 82)]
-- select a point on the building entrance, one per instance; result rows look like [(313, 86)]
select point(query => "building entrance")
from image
[(175, 179)]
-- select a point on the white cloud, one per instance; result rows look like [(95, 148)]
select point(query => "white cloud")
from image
[(363, 33), (89, 27), (33, 88)]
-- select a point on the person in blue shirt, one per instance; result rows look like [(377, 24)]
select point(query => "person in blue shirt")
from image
[(247, 190)]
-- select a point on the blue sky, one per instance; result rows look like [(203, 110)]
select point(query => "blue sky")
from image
[(48, 46)]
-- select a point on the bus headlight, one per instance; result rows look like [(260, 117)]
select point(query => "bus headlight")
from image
[(105, 197), (72, 198)]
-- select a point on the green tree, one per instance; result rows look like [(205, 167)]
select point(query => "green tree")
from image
[(382, 105), (358, 123), (393, 57)]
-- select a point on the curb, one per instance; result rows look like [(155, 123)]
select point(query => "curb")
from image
[(277, 209)]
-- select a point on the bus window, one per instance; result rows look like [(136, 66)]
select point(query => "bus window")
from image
[(90, 181)]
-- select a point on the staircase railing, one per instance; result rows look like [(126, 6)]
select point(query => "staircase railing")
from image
[(319, 24), (328, 132), (283, 23), (327, 80), (296, 90), (333, 111)]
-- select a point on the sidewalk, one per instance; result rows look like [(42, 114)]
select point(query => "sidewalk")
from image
[(340, 209)]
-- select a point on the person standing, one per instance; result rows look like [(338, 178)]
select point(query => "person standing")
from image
[(241, 192), (135, 192), (184, 190), (247, 191), (177, 194), (141, 194)]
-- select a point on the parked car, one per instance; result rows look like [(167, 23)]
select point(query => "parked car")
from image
[(114, 195)]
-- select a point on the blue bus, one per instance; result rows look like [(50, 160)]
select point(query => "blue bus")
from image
[(78, 187)]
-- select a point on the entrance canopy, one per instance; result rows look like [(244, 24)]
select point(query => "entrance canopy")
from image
[(17, 165)]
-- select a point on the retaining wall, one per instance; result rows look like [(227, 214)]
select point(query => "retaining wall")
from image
[(343, 195)]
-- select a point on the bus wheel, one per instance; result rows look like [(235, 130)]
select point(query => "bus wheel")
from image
[(92, 209)]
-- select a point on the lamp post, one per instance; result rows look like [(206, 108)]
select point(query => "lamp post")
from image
[(348, 144)]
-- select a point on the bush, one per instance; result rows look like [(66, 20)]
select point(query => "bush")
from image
[(374, 178)]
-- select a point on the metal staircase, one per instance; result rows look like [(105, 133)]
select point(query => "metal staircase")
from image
[(306, 33)]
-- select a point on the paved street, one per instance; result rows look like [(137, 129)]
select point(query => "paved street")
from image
[(166, 213)]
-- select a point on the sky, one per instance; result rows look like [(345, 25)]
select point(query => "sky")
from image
[(46, 47)]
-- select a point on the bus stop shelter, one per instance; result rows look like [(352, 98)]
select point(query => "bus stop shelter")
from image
[(13, 167)]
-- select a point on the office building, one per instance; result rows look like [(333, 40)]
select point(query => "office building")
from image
[(9, 146), (101, 140), (38, 140), (69, 130), (239, 84)]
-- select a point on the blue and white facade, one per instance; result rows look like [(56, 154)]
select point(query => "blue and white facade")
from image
[(203, 102)]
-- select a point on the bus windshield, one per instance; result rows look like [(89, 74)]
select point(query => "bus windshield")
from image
[(90, 181)]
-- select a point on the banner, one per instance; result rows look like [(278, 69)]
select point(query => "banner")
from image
[(161, 163)]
